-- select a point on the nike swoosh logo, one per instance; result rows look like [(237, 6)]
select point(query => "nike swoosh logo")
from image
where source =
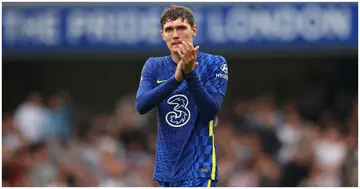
[(160, 81)]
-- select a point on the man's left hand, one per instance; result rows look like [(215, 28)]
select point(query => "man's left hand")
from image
[(188, 55)]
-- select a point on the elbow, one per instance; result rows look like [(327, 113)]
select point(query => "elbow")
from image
[(213, 115), (210, 115), (139, 108)]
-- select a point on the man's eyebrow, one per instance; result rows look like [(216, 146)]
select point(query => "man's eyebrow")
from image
[(168, 27)]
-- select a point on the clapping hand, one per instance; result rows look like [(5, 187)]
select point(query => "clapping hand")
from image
[(188, 55)]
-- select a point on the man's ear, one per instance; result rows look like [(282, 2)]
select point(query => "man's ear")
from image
[(194, 30), (162, 34)]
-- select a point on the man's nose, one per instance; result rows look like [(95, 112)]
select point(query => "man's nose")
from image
[(176, 35)]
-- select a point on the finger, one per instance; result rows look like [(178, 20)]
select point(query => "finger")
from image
[(183, 45), (190, 45), (196, 64), (179, 63), (180, 54), (196, 52), (197, 49), (191, 49), (181, 48), (179, 66), (186, 45)]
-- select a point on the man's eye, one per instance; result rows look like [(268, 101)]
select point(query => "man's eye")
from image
[(168, 29), (182, 28)]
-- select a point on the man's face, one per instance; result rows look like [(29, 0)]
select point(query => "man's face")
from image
[(174, 32)]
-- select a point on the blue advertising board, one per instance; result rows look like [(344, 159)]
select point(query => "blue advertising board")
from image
[(136, 28)]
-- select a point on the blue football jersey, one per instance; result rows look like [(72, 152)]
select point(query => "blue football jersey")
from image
[(185, 146)]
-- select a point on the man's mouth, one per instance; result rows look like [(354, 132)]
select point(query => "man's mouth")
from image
[(175, 43)]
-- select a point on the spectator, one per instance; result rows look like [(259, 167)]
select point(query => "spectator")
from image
[(265, 147), (57, 122), (30, 118), (330, 153)]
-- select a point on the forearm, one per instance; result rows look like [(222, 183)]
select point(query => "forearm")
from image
[(149, 99), (207, 104)]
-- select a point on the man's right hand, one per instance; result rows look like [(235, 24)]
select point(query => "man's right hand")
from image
[(179, 70), (178, 73)]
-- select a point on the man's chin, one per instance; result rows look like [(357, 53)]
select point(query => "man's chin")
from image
[(174, 50), (175, 47)]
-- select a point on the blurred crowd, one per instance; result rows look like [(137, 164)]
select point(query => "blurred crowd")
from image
[(259, 141)]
